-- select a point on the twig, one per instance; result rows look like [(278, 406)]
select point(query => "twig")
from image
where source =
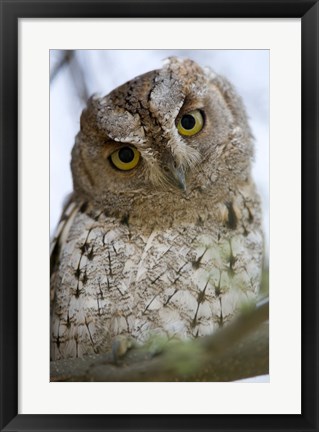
[(64, 58)]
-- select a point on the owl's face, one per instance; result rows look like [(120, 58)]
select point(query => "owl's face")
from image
[(175, 131)]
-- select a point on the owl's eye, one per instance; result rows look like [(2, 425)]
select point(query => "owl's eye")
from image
[(125, 158), (190, 123)]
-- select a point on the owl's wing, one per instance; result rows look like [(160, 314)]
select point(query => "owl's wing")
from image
[(70, 210)]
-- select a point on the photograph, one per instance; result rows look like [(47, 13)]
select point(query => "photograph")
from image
[(159, 215)]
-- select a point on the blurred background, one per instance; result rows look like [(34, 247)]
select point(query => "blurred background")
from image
[(76, 75)]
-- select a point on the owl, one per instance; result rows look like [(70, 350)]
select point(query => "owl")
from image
[(162, 234)]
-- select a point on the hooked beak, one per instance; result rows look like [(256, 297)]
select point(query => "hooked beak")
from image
[(177, 177)]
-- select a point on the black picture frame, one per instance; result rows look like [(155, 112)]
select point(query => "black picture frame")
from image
[(11, 11)]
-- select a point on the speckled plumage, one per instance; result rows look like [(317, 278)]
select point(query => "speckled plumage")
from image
[(135, 254)]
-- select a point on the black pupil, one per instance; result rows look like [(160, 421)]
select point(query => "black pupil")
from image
[(126, 155), (188, 121)]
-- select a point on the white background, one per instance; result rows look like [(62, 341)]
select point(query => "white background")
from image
[(282, 38)]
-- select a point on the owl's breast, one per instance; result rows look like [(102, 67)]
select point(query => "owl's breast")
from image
[(181, 282)]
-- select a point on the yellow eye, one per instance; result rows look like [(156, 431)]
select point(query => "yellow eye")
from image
[(125, 158), (190, 123)]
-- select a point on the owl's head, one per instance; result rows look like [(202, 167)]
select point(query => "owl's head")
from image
[(176, 131)]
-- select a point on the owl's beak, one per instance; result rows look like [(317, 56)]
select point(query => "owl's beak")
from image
[(179, 177), (175, 174)]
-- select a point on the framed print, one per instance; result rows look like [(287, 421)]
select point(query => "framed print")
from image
[(156, 318)]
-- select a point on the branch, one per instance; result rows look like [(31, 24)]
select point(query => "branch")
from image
[(65, 57), (237, 351), (69, 59)]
